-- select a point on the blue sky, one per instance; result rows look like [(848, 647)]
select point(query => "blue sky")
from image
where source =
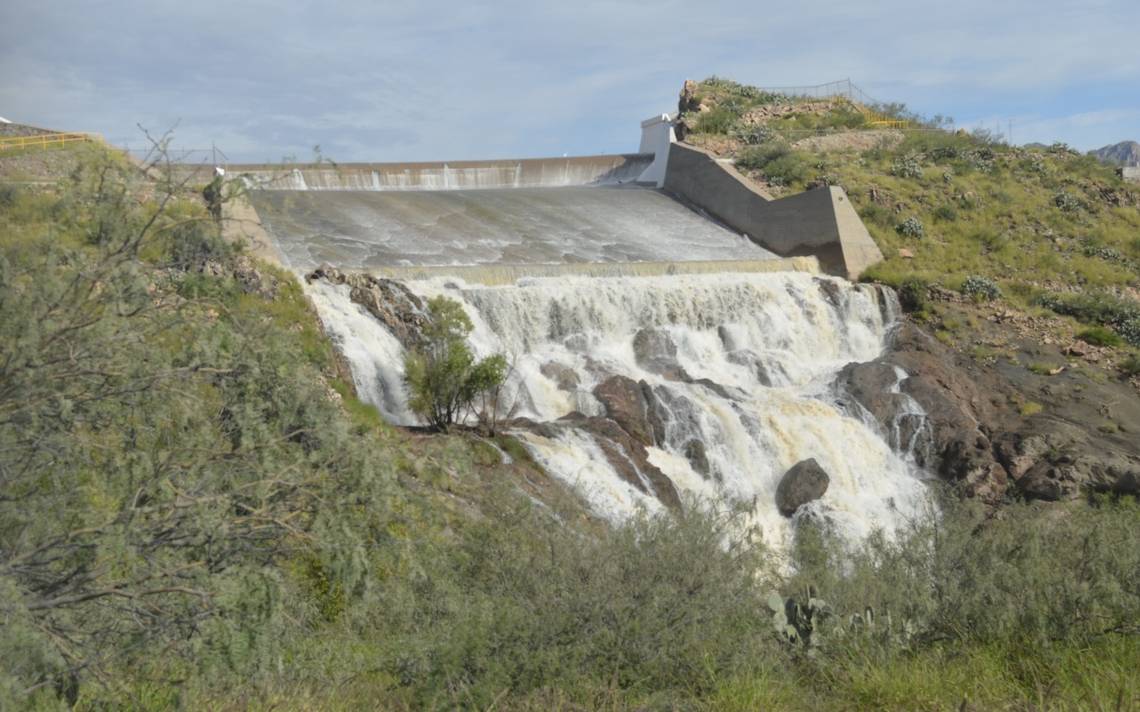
[(410, 80)]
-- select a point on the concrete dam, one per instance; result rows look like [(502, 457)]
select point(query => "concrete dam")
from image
[(673, 336)]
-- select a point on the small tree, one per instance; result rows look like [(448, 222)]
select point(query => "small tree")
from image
[(442, 375)]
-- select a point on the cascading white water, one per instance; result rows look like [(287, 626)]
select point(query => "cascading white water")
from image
[(758, 353)]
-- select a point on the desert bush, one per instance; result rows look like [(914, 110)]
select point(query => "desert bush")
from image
[(908, 166), (160, 456), (911, 227), (982, 289), (442, 375), (1123, 315), (1109, 254), (753, 135), (1066, 202)]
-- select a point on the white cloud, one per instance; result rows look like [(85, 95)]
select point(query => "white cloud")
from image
[(399, 80)]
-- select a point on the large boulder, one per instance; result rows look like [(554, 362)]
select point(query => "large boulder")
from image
[(625, 404), (805, 482)]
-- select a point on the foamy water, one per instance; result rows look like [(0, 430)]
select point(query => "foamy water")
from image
[(773, 343)]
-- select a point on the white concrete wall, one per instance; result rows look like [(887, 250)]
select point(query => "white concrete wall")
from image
[(656, 136), (1131, 173)]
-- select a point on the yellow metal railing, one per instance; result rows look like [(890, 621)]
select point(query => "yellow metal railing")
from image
[(45, 140)]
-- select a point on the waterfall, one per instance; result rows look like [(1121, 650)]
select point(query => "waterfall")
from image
[(733, 373)]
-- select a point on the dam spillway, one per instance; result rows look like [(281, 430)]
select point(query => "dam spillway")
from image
[(657, 356), (555, 225)]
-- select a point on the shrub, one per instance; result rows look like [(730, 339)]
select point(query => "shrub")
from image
[(1130, 330), (911, 227), (907, 167), (872, 212), (1099, 336), (442, 375), (1123, 315), (8, 195), (913, 294), (981, 289), (780, 164), (718, 120), (757, 157), (1066, 202), (946, 213), (1131, 366), (1108, 254), (753, 135)]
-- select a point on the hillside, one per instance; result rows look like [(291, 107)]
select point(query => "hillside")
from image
[(197, 512), (1125, 153), (1054, 231)]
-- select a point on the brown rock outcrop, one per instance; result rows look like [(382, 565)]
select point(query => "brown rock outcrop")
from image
[(393, 304), (975, 437)]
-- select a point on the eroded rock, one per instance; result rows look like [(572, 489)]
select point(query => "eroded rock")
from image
[(393, 304), (624, 401)]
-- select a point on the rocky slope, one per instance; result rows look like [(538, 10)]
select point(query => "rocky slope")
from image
[(997, 429)]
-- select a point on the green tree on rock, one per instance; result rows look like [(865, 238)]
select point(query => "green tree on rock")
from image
[(442, 375)]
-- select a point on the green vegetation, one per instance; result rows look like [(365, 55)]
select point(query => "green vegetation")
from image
[(913, 294), (195, 513), (1048, 226), (1131, 366), (780, 164), (1098, 308), (1099, 336), (980, 289), (443, 378)]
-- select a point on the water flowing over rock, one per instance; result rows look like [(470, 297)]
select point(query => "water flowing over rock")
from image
[(954, 417), (643, 393), (934, 414), (396, 306), (805, 482)]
